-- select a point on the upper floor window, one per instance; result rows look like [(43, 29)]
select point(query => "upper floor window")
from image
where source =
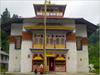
[(57, 40), (78, 43), (50, 39), (38, 39), (50, 13), (60, 39), (18, 42)]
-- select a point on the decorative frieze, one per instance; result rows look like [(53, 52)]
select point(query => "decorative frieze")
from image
[(49, 27), (84, 41), (71, 37), (26, 36)]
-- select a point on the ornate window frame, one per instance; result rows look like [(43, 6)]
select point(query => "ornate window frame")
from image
[(18, 42), (79, 43)]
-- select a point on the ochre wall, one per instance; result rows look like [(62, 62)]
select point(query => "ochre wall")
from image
[(71, 37)]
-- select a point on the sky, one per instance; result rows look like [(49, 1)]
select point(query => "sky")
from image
[(87, 9)]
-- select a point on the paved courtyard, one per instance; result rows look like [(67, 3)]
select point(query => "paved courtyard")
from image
[(57, 73)]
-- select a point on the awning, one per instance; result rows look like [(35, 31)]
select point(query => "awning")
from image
[(38, 58), (60, 59), (50, 55)]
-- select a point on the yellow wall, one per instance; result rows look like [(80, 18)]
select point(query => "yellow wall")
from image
[(60, 46), (48, 46), (38, 46)]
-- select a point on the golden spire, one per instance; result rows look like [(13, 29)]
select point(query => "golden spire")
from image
[(48, 2)]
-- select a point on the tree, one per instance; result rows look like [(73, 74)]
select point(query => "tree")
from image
[(5, 17), (94, 48), (94, 38), (4, 41), (15, 16), (5, 29)]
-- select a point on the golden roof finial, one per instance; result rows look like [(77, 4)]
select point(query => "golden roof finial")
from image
[(48, 2)]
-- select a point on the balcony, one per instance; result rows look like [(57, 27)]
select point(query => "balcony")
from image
[(3, 60), (52, 50), (49, 46)]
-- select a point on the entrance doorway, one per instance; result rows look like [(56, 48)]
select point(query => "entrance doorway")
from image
[(51, 64)]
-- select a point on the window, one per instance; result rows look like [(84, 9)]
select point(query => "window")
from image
[(18, 42), (16, 57), (2, 56), (78, 43), (57, 40), (60, 39), (39, 13), (80, 59), (35, 40), (41, 39), (68, 58), (49, 39), (38, 39), (29, 56)]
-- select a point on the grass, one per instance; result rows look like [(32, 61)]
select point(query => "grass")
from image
[(9, 74), (97, 71)]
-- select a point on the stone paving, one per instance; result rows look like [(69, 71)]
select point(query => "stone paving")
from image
[(57, 73)]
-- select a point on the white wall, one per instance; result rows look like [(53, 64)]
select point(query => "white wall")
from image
[(83, 66), (81, 31), (15, 54), (14, 59), (71, 63), (16, 29), (26, 63)]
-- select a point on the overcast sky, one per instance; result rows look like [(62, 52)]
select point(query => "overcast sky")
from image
[(87, 9)]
